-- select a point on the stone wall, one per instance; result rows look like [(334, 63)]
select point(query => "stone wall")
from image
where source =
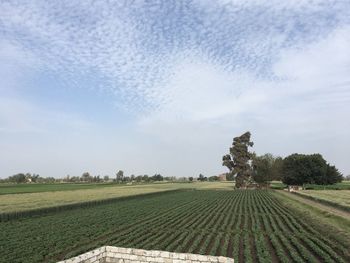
[(110, 254)]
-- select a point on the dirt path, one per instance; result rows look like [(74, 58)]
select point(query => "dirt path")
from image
[(323, 207)]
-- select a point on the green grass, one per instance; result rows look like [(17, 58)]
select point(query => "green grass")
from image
[(38, 188), (206, 222), (345, 185), (277, 185), (335, 198), (329, 222), (39, 200)]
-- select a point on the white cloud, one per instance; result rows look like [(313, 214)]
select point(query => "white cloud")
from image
[(305, 107), (21, 116), (322, 64), (195, 73)]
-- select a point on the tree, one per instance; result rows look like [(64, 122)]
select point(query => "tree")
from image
[(35, 178), (300, 169), (333, 175), (119, 176), (138, 178), (86, 177), (262, 166), (238, 161), (277, 169), (213, 178), (266, 168), (18, 178), (230, 177), (145, 178), (202, 178), (190, 179), (157, 177), (106, 178)]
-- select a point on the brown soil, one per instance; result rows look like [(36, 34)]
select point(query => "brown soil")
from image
[(241, 251), (253, 248), (274, 258), (200, 244), (229, 252), (210, 245)]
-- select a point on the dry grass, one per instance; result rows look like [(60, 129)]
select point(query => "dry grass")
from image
[(22, 202)]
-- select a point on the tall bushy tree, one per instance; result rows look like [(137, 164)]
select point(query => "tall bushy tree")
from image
[(299, 169), (238, 161), (333, 175), (266, 168), (18, 178), (262, 169), (119, 176)]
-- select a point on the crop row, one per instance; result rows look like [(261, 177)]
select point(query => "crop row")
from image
[(250, 226)]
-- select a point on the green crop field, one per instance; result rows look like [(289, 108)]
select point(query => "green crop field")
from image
[(39, 200), (248, 225), (37, 188)]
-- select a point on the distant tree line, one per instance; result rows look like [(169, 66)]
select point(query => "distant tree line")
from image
[(86, 177), (202, 178), (28, 178), (296, 169)]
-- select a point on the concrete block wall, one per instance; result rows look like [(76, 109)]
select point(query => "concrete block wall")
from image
[(110, 254)]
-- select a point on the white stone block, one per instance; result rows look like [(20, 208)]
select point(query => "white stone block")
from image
[(223, 259), (155, 253), (112, 249), (213, 259), (140, 252), (133, 257), (202, 258), (165, 254), (192, 257)]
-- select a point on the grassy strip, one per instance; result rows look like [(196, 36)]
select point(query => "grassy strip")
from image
[(334, 226), (50, 187), (345, 185), (325, 202), (42, 211)]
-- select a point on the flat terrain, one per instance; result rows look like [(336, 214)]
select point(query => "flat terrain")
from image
[(345, 185), (248, 225), (333, 196), (30, 201), (37, 188), (324, 207)]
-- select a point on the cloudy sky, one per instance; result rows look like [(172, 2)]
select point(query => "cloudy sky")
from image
[(163, 86)]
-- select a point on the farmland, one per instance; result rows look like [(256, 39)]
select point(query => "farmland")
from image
[(340, 199), (40, 199), (37, 188), (250, 226)]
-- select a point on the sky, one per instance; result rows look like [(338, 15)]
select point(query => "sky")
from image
[(163, 86)]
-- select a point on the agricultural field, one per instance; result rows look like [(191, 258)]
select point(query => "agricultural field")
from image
[(37, 187), (39, 200), (340, 199), (248, 225)]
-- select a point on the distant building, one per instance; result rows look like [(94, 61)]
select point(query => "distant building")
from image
[(294, 188), (222, 177)]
